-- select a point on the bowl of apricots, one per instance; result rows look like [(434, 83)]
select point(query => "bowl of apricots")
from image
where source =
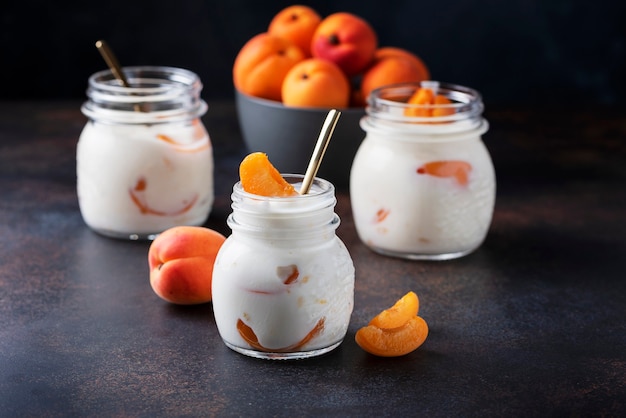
[(289, 77)]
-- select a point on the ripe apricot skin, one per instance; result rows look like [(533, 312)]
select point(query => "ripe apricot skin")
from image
[(315, 82), (296, 23), (347, 40), (262, 63), (181, 264)]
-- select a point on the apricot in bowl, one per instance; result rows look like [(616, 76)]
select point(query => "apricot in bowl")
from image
[(288, 135)]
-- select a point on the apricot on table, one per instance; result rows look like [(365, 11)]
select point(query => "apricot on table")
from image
[(296, 23), (347, 40), (181, 264), (393, 342), (399, 314), (316, 82), (262, 63), (395, 331), (258, 176)]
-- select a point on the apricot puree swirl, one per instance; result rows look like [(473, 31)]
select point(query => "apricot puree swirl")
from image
[(250, 337)]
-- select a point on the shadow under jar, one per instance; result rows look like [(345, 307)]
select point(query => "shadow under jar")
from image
[(144, 160), (423, 187)]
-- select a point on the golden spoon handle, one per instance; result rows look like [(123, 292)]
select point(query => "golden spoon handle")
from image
[(112, 62)]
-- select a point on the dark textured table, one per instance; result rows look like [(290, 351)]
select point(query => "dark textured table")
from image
[(531, 324)]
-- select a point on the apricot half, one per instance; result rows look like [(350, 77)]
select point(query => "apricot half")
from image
[(393, 342), (181, 264), (258, 176), (395, 331), (399, 314)]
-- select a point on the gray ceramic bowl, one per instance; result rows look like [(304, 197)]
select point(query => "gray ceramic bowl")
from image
[(288, 135)]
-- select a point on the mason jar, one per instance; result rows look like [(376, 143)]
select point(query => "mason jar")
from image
[(144, 160), (423, 187), (283, 282)]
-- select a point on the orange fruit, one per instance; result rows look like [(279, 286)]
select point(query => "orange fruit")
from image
[(316, 82), (393, 342), (262, 63), (297, 24), (399, 314), (428, 104), (392, 65), (258, 176), (396, 331)]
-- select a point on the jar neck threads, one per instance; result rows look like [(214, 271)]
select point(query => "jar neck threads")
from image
[(157, 95), (300, 217), (387, 109)]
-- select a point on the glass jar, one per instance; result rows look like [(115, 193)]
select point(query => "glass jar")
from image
[(144, 160), (283, 282), (423, 187)]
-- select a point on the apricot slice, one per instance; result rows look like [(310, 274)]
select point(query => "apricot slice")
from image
[(393, 342), (137, 195), (399, 314), (422, 97), (249, 336), (258, 176), (381, 215), (396, 331), (442, 111), (457, 169), (428, 102)]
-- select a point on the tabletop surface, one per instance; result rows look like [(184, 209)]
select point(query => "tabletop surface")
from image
[(531, 324)]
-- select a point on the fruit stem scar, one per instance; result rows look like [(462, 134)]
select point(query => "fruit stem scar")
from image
[(333, 39)]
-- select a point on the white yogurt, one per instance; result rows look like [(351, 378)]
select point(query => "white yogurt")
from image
[(144, 159), (283, 282), (423, 190), (142, 179)]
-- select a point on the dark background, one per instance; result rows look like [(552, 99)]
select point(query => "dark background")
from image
[(513, 51)]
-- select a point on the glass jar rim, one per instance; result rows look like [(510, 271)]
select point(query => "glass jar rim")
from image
[(321, 189), (388, 112), (390, 102), (176, 78), (298, 217), (157, 94)]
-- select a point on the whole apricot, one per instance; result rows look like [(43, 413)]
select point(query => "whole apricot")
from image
[(262, 63), (297, 24), (181, 264), (392, 51), (316, 82), (347, 40), (391, 66)]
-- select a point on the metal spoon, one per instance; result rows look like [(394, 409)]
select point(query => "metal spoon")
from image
[(320, 148), (114, 66), (112, 62)]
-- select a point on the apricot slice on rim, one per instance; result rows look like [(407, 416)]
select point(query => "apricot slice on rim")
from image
[(422, 97), (430, 104), (399, 314), (258, 176), (393, 342)]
